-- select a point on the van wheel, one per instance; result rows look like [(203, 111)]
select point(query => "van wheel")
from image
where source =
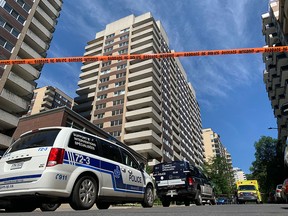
[(198, 200), (148, 197), (49, 206), (84, 193), (102, 205), (187, 202), (165, 203)]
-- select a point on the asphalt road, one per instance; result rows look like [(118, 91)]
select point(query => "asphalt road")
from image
[(224, 210)]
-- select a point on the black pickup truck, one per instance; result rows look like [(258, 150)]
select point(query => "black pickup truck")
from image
[(182, 182)]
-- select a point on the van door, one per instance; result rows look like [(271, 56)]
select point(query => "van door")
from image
[(26, 159), (134, 178)]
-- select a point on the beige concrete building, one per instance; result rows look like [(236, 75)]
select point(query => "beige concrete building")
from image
[(214, 147), (47, 98), (275, 30), (147, 104), (239, 175), (26, 28)]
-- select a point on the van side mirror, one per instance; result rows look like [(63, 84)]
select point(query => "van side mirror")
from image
[(142, 166)]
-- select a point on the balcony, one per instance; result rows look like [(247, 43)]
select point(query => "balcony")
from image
[(45, 19), (148, 112), (57, 4), (18, 85), (95, 44), (142, 74), (147, 82), (147, 148), (26, 71), (88, 82), (94, 52), (146, 48), (84, 98), (143, 103), (142, 125), (90, 66), (27, 52), (5, 141), (89, 74), (35, 42), (272, 40), (49, 9), (177, 156), (40, 30), (84, 107), (144, 92), (143, 137), (12, 102), (136, 65), (8, 120), (86, 89)]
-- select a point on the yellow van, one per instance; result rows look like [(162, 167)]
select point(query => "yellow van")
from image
[(248, 191)]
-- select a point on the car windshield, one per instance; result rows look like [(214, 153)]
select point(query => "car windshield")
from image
[(247, 187), (42, 138)]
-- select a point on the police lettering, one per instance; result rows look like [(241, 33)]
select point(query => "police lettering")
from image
[(134, 178)]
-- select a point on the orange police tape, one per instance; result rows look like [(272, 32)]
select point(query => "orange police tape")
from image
[(145, 56)]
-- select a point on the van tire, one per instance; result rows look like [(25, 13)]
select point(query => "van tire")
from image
[(84, 193), (148, 197)]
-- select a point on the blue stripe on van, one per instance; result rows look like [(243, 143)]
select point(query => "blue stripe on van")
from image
[(104, 167), (18, 178)]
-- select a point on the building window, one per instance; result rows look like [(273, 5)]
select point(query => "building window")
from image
[(110, 36), (101, 97), (101, 106), (116, 122), (117, 84), (124, 37), (9, 27), (120, 75), (123, 51), (99, 125), (103, 88), (124, 30), (116, 133), (118, 102), (109, 42), (123, 44), (117, 112), (120, 92), (108, 49), (105, 71), (120, 67), (106, 79), (7, 45), (100, 116), (105, 64), (14, 13), (24, 5)]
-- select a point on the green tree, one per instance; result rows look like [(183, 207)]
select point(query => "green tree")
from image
[(268, 165), (221, 175)]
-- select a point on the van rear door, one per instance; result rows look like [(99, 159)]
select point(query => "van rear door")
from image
[(27, 157)]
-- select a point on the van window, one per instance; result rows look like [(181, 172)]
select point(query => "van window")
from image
[(110, 151), (129, 160), (83, 142), (42, 138)]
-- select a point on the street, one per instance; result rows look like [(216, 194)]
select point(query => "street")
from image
[(219, 210)]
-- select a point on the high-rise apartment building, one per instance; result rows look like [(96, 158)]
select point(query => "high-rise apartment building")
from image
[(48, 97), (275, 30), (214, 147), (26, 28), (239, 175), (147, 104)]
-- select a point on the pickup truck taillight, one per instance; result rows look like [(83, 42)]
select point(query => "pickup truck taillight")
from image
[(55, 157), (190, 181)]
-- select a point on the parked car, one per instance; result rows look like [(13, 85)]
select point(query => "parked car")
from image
[(271, 197), (223, 200), (277, 195), (284, 191), (180, 181)]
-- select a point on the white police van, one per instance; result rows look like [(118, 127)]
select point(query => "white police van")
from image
[(65, 165)]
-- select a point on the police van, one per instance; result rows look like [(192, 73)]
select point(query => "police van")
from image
[(65, 165)]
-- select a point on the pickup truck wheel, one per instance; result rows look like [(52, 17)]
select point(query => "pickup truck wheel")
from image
[(198, 200), (187, 202), (213, 200), (165, 203)]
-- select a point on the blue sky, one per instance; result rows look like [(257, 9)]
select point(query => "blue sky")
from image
[(230, 89)]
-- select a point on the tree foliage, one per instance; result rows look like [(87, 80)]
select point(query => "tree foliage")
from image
[(221, 175), (268, 167)]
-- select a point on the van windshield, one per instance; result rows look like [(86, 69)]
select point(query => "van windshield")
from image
[(247, 187), (43, 138)]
